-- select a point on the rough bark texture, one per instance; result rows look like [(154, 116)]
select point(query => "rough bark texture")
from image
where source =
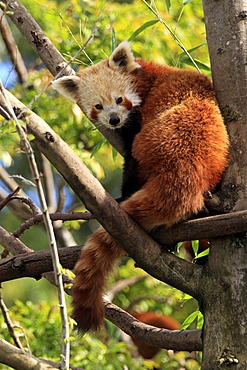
[(225, 279)]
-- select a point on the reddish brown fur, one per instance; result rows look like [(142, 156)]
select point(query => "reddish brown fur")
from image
[(127, 104), (160, 321), (181, 152)]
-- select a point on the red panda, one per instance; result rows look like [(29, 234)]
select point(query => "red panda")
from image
[(178, 150), (160, 321)]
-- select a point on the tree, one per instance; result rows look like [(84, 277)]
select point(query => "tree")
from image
[(220, 284)]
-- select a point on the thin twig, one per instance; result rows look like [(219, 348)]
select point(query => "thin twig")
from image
[(10, 325), (48, 182), (28, 201), (74, 216), (5, 201)]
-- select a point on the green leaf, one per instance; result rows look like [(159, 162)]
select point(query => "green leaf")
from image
[(142, 28), (188, 321), (200, 321), (185, 2), (201, 65), (195, 246), (114, 154), (98, 147), (183, 58), (113, 40), (203, 254), (192, 49), (168, 5)]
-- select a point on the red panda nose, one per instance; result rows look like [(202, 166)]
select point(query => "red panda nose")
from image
[(114, 119)]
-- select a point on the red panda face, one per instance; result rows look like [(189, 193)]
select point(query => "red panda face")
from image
[(105, 91), (109, 98)]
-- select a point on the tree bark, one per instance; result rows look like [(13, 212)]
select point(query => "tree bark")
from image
[(225, 278)]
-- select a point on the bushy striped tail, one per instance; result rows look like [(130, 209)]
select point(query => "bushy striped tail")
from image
[(96, 261)]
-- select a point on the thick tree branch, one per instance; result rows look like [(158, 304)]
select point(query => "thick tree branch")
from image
[(19, 360), (36, 263), (204, 228), (179, 340)]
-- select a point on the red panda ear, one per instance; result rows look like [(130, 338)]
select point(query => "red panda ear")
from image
[(123, 58), (67, 86)]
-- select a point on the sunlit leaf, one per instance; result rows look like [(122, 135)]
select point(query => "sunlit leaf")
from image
[(200, 321), (98, 147), (114, 154), (142, 28), (113, 39), (168, 5), (195, 246), (185, 2), (189, 320), (204, 253)]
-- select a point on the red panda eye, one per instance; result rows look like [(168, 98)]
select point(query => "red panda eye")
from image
[(119, 100), (98, 106)]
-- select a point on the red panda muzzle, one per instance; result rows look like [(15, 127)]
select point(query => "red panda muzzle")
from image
[(114, 119)]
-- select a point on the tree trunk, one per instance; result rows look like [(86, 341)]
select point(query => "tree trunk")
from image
[(224, 283)]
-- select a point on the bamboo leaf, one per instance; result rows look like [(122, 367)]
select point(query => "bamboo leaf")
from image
[(188, 321), (168, 5), (142, 28), (203, 254), (98, 147)]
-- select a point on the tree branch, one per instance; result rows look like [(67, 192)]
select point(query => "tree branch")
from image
[(11, 243), (35, 36), (179, 340), (17, 359), (9, 323), (36, 263), (203, 228), (206, 228), (86, 216)]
